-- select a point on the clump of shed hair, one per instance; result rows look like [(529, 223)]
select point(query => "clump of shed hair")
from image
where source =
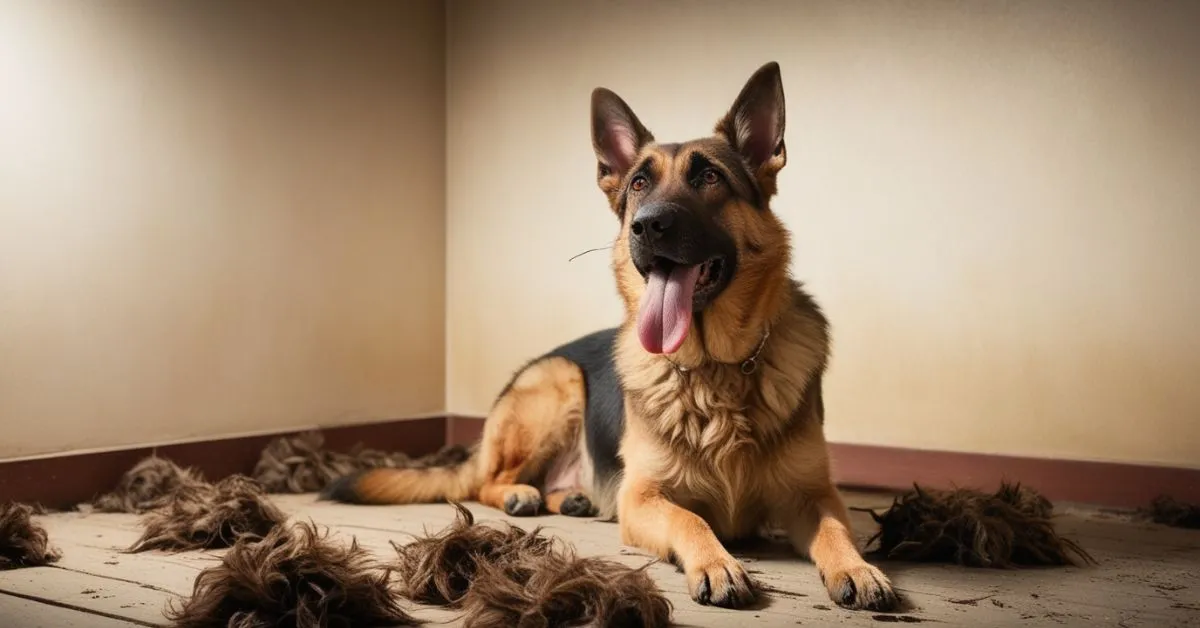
[(208, 517), (150, 484), (24, 543), (293, 577), (505, 576), (1172, 512), (1009, 528)]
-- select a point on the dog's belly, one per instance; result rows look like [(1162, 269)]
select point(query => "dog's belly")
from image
[(564, 472)]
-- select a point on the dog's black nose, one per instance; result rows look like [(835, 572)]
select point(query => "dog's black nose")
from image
[(653, 222)]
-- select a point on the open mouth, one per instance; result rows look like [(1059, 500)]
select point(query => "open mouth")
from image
[(708, 275), (665, 313), (710, 272)]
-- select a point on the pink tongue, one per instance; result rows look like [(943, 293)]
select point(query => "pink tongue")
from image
[(666, 310)]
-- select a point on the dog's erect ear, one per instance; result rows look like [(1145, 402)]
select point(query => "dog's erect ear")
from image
[(755, 123), (617, 136)]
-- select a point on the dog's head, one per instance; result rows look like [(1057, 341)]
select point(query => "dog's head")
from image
[(697, 233)]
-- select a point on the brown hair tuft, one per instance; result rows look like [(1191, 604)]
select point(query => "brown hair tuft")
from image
[(1008, 528), (559, 589), (293, 577), (1172, 512), (23, 543), (507, 577), (203, 516), (150, 484), (439, 569)]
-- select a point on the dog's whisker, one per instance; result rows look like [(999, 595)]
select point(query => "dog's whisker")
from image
[(600, 248)]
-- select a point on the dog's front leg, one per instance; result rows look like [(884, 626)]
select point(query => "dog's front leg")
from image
[(650, 521), (822, 532)]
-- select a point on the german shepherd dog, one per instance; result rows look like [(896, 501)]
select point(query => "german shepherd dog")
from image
[(700, 418)]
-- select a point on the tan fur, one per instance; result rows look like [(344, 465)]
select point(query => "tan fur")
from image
[(555, 499), (537, 418), (417, 486), (535, 421)]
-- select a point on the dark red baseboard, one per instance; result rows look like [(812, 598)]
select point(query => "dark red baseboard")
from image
[(463, 430), (1114, 485), (63, 481)]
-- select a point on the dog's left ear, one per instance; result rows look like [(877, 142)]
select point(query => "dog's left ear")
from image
[(755, 123)]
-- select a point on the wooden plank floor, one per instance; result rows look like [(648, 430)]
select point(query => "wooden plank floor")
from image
[(1148, 575)]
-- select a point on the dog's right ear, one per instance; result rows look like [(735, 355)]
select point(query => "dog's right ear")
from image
[(617, 137)]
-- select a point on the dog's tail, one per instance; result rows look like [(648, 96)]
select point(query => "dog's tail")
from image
[(457, 482)]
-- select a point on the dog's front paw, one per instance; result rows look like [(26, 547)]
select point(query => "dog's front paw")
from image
[(720, 582), (861, 587)]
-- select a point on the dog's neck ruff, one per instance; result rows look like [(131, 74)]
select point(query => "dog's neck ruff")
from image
[(747, 366)]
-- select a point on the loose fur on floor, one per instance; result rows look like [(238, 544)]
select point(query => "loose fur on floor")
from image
[(23, 543), (559, 589), (1011, 527), (300, 464), (203, 516), (1172, 512), (440, 568), (293, 577), (150, 484), (505, 576)]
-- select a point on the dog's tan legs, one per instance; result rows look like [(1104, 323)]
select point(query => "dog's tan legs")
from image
[(536, 419), (822, 532), (519, 500), (648, 520)]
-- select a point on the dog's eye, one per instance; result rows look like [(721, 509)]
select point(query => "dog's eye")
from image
[(710, 176), (638, 183)]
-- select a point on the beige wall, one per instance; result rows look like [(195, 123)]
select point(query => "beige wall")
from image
[(997, 203), (217, 218), (223, 217)]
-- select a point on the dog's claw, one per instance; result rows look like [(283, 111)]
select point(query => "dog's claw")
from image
[(722, 583), (849, 593), (862, 587), (704, 593)]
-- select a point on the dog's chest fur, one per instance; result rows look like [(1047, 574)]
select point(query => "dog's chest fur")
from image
[(712, 436), (710, 432)]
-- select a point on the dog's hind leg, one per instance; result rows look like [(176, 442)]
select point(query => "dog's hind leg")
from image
[(535, 420)]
